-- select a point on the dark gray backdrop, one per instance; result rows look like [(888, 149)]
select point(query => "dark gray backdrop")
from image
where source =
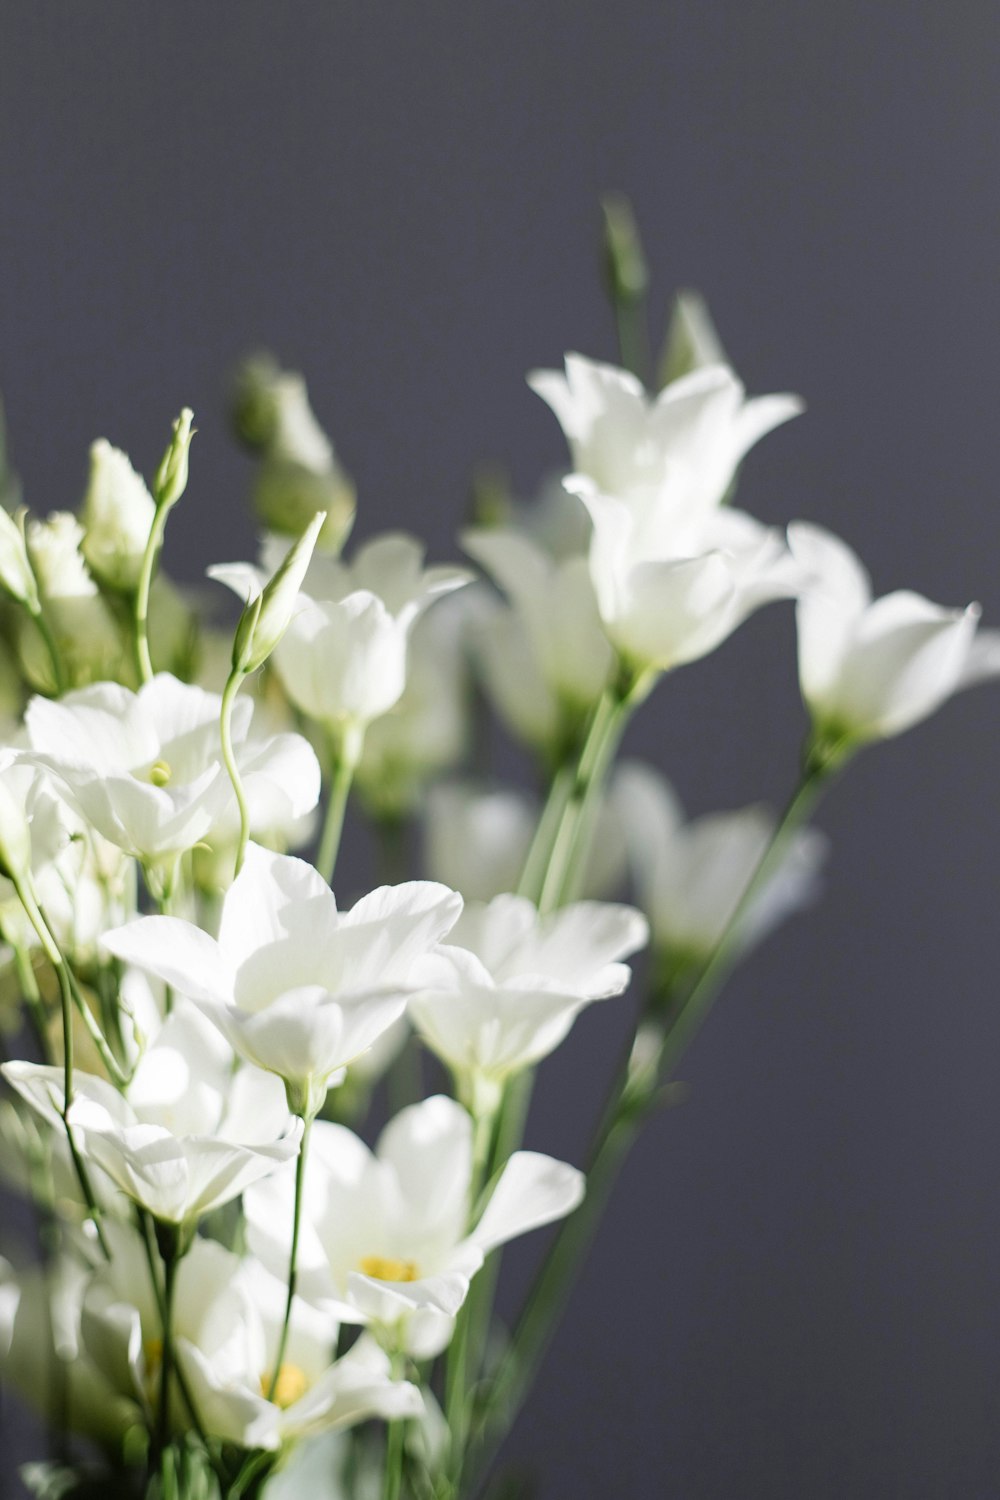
[(797, 1291)]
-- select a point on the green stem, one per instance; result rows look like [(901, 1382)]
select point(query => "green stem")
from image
[(345, 760), (633, 336), (143, 663), (149, 1245), (229, 757), (395, 1452), (170, 1260), (632, 1100), (540, 852), (55, 657), (293, 1258)]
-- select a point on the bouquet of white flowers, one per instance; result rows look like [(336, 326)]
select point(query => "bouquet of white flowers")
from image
[(231, 1292)]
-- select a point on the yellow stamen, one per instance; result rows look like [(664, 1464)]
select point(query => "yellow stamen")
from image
[(160, 773), (290, 1386), (384, 1268)]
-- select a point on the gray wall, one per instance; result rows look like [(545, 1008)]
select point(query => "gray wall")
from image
[(797, 1290)]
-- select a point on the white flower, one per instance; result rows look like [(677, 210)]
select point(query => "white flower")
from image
[(117, 517), (342, 659), (873, 668), (507, 989), (177, 1177), (88, 640), (226, 1324), (670, 588), (145, 768), (16, 575), (385, 1238), (680, 448), (427, 730), (691, 876), (297, 987), (553, 619)]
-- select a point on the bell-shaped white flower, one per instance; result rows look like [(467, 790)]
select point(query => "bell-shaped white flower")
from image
[(117, 517), (871, 668), (145, 768), (680, 448), (690, 876), (89, 642), (342, 659), (177, 1177), (385, 1238), (505, 991), (670, 588), (297, 987)]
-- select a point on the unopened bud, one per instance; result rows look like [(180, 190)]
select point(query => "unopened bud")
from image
[(16, 574), (624, 259), (266, 617), (172, 475)]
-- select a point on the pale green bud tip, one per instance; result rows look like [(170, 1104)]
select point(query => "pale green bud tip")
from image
[(266, 618), (172, 475), (15, 840), (624, 258)]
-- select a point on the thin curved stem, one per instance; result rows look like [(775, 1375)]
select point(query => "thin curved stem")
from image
[(54, 654), (344, 763), (143, 662), (229, 757)]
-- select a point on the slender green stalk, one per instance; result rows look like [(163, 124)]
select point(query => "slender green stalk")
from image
[(540, 853), (149, 1245), (293, 1258), (344, 764), (54, 654), (143, 663), (633, 1098), (229, 757), (170, 1262), (395, 1454)]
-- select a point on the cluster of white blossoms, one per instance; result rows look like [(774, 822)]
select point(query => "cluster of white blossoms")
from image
[(198, 1031)]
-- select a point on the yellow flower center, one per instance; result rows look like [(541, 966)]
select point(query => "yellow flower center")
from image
[(160, 773), (290, 1386), (384, 1268)]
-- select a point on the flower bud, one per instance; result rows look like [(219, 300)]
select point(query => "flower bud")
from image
[(172, 475), (15, 838), (692, 342), (117, 515), (265, 618), (16, 575), (624, 260)]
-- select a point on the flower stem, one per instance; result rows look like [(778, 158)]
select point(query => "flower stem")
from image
[(232, 687), (143, 663), (170, 1258), (395, 1452), (344, 764), (49, 640), (633, 1099), (293, 1258)]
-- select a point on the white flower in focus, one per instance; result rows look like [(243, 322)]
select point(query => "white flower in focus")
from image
[(386, 1238), (145, 769), (671, 589), (873, 668), (117, 517), (690, 876), (505, 991), (297, 987), (342, 659), (679, 449)]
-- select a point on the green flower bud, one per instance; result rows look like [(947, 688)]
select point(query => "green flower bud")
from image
[(624, 260), (265, 618), (16, 574), (15, 839), (172, 475)]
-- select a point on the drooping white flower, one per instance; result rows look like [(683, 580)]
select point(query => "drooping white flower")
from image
[(690, 876), (680, 448), (175, 1176), (343, 658), (506, 989), (117, 516), (145, 768), (871, 668), (386, 1237), (297, 987)]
